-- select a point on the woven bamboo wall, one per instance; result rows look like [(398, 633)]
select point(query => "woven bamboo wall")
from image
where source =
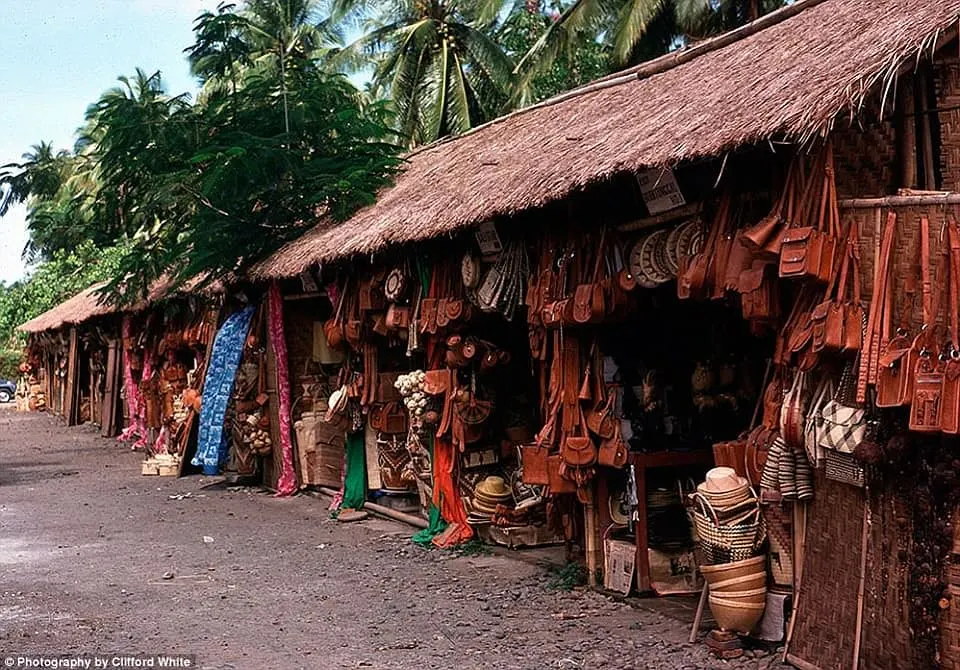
[(947, 81), (886, 642), (950, 621), (826, 621), (906, 252), (865, 155)]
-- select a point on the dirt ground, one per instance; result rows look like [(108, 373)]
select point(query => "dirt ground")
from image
[(85, 544)]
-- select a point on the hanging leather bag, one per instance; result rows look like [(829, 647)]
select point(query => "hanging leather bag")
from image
[(808, 250), (793, 412), (613, 450), (926, 359), (950, 395), (894, 376)]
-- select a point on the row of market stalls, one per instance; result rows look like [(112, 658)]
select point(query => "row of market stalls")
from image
[(553, 328)]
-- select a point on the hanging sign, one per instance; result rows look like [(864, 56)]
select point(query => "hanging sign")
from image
[(660, 190), (488, 240)]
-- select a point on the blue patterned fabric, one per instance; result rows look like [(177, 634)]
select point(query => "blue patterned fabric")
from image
[(228, 345)]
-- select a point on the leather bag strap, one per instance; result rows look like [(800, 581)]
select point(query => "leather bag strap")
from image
[(878, 313)]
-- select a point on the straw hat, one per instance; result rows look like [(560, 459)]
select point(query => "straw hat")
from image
[(494, 488), (723, 480)]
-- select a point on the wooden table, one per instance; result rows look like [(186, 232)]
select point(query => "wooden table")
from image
[(642, 461)]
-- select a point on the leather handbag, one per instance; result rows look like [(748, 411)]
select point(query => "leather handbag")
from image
[(793, 412), (398, 317), (926, 359), (613, 450), (765, 238), (533, 459), (950, 395), (578, 451), (809, 246), (758, 292), (555, 480), (389, 418), (694, 280), (333, 332), (601, 420), (437, 382)]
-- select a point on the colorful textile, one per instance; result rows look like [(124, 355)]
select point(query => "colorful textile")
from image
[(212, 448), (137, 429), (287, 479), (445, 494), (355, 482)]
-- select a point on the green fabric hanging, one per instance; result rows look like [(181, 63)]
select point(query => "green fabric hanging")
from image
[(436, 523), (355, 481)]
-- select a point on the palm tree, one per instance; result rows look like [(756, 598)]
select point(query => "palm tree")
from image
[(39, 175), (625, 24), (433, 59)]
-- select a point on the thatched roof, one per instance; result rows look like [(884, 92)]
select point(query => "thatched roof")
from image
[(792, 80), (89, 304)]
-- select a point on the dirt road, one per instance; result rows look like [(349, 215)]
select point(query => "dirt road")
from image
[(85, 544)]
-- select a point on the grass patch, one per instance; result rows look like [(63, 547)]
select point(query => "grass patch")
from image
[(568, 577)]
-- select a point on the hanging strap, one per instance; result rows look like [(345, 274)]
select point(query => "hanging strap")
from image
[(953, 235), (877, 323), (927, 286)]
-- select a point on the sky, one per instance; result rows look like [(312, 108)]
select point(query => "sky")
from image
[(58, 56)]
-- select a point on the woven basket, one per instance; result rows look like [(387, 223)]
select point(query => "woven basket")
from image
[(722, 542), (844, 468), (779, 523)]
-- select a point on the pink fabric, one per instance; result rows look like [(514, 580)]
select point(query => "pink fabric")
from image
[(136, 429), (287, 480), (148, 361)]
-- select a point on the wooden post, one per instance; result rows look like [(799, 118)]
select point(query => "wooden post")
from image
[(592, 533), (908, 138)]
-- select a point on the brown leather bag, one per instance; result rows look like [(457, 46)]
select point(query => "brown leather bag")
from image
[(897, 358), (437, 382), (809, 245), (533, 459), (389, 418), (556, 481), (578, 451), (397, 318), (694, 280), (613, 450), (928, 360), (600, 420), (950, 394), (759, 301), (765, 238), (794, 412)]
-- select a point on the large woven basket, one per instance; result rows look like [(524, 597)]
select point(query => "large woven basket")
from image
[(734, 540)]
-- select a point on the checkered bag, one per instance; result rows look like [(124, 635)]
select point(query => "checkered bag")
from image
[(844, 424)]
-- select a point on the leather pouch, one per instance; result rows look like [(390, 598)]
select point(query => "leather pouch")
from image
[(534, 461), (613, 450), (927, 397), (800, 254), (558, 483), (398, 318), (894, 374), (578, 452)]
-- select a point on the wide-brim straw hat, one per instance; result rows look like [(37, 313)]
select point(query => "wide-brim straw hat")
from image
[(723, 480), (493, 487)]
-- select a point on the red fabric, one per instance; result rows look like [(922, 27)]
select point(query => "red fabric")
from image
[(445, 494), (287, 479)]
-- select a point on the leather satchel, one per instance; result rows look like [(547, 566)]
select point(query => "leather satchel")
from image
[(533, 459), (601, 420), (555, 480), (578, 452), (808, 249), (437, 382), (398, 318), (950, 395), (613, 450), (389, 418), (333, 332), (793, 413), (927, 361)]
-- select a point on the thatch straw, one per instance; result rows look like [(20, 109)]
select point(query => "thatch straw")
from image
[(91, 303), (791, 81)]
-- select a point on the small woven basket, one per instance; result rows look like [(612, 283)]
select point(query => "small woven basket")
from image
[(844, 468)]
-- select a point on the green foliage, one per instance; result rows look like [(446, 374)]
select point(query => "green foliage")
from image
[(52, 282), (437, 62), (568, 577), (520, 32)]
